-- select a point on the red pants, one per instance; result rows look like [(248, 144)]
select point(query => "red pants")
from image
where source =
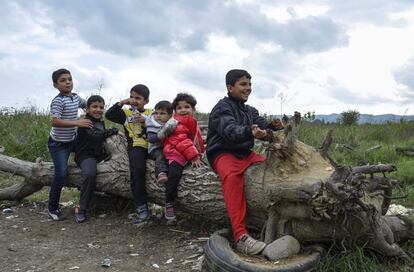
[(231, 171)]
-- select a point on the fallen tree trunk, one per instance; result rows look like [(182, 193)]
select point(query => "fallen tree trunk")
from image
[(199, 190), (294, 192), (407, 151)]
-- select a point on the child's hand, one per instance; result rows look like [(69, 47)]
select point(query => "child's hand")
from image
[(257, 132), (140, 119), (120, 133), (197, 163), (277, 123), (128, 101), (86, 123)]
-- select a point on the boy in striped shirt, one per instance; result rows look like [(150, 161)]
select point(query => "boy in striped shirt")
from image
[(64, 111)]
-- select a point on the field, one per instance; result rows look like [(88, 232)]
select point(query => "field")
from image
[(24, 135)]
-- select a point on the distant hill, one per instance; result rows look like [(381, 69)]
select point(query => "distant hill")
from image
[(366, 118)]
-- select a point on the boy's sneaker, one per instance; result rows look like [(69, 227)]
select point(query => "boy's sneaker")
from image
[(80, 216), (162, 177), (249, 245), (143, 214), (56, 215), (169, 211)]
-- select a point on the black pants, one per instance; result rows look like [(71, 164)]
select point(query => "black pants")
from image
[(175, 171), (138, 166), (161, 164), (88, 167)]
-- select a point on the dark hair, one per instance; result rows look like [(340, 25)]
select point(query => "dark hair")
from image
[(94, 98), (56, 74), (184, 97), (233, 75), (164, 105), (142, 90)]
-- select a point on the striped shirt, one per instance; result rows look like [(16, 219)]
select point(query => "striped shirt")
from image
[(65, 108)]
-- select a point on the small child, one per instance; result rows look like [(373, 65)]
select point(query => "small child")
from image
[(133, 120), (155, 122), (89, 151), (64, 111), (183, 145)]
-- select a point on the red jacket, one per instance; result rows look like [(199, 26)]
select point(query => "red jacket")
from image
[(185, 143)]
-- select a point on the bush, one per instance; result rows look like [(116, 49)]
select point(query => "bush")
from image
[(349, 118)]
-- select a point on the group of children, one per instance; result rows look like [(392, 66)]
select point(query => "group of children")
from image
[(171, 140), (169, 134)]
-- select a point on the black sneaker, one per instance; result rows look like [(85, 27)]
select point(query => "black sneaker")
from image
[(80, 216), (56, 215), (143, 214)]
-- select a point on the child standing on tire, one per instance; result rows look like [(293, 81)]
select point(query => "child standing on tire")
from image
[(64, 111), (182, 146), (133, 120), (89, 151), (232, 128)]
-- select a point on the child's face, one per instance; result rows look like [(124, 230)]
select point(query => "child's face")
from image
[(241, 89), (138, 100), (161, 115), (184, 108), (64, 84), (96, 109)]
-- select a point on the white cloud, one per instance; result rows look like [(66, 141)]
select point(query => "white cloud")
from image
[(327, 56)]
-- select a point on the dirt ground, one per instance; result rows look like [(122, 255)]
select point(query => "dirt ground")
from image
[(30, 241)]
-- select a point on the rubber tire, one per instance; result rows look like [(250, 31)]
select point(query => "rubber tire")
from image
[(219, 256)]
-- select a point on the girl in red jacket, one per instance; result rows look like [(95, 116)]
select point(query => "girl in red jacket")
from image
[(183, 145)]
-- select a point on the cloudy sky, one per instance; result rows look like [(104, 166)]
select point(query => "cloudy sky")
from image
[(304, 55)]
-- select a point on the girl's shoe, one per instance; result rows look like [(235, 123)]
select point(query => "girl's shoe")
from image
[(162, 177), (169, 211)]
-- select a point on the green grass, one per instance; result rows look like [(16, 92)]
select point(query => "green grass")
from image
[(24, 133)]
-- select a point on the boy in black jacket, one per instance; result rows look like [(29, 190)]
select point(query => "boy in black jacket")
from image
[(89, 151), (232, 128)]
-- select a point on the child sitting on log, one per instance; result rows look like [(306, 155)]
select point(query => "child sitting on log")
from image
[(232, 128), (156, 131), (89, 150), (182, 146)]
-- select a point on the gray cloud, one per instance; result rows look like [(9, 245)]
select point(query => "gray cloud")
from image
[(404, 76), (353, 11), (133, 27), (345, 96)]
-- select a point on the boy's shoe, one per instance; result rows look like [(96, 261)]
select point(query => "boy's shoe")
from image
[(249, 245), (56, 215), (143, 214), (162, 177), (80, 216), (169, 211)]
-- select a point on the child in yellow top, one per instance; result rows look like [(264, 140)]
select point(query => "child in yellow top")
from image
[(133, 120)]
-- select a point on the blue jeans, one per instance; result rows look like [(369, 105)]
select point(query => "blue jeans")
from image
[(60, 154)]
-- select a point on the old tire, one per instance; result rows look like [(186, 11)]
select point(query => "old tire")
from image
[(219, 256)]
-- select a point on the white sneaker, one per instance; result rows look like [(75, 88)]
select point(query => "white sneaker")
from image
[(249, 245)]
